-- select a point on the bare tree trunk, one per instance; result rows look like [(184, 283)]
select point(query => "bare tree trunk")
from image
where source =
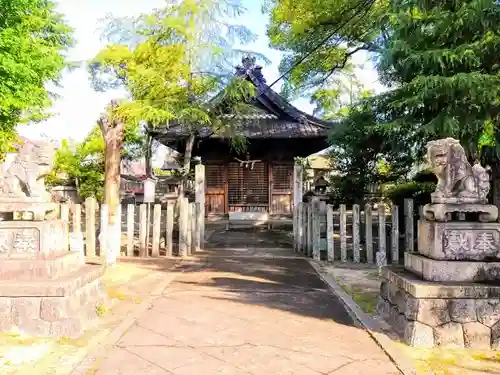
[(113, 132), (148, 157), (186, 166)]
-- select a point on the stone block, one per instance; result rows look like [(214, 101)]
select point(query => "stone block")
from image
[(51, 267), (449, 335), (411, 307), (418, 288), (71, 327), (55, 308), (442, 314), (476, 335), (25, 307), (418, 334), (452, 271), (488, 311), (66, 312), (459, 240), (384, 285), (495, 336), (33, 327), (6, 321), (463, 310), (383, 308), (433, 312), (32, 239)]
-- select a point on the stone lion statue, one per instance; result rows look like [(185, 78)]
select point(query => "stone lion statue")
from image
[(24, 178), (458, 181)]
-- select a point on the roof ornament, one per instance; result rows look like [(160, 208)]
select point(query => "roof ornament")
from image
[(248, 66), (303, 119)]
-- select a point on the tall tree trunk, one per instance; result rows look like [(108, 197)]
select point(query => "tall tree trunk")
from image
[(148, 156), (113, 132), (186, 165)]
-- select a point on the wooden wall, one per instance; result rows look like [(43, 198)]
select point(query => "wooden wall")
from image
[(267, 187)]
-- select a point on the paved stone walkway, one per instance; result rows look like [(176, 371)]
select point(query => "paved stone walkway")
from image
[(246, 315)]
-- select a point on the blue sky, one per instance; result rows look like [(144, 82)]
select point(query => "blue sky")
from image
[(78, 107)]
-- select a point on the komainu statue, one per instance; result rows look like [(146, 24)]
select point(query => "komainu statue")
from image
[(458, 182), (24, 178)]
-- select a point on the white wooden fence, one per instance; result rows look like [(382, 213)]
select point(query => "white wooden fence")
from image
[(153, 230), (359, 236)]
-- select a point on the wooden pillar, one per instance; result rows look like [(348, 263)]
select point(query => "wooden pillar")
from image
[(395, 234), (355, 233), (330, 242), (270, 186), (130, 229), (199, 177), (143, 223), (298, 192), (103, 234), (369, 233), (169, 229), (408, 211), (90, 212), (381, 255), (309, 229), (183, 227), (343, 233), (299, 240), (316, 229)]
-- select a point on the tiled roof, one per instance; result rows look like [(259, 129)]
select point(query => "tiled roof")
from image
[(274, 117)]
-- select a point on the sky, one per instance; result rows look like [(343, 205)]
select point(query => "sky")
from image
[(79, 106)]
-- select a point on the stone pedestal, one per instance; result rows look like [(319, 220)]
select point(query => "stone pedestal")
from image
[(45, 290), (432, 314), (444, 295)]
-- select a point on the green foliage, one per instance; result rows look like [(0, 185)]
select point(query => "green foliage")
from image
[(171, 61), (296, 26), (442, 60), (420, 192), (363, 156), (82, 163), (33, 37)]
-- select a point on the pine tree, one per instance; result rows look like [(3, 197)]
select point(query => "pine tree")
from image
[(442, 59)]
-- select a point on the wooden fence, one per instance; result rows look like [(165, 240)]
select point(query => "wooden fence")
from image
[(381, 235), (146, 230)]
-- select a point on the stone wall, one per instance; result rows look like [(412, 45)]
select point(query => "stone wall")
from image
[(426, 315), (45, 308)]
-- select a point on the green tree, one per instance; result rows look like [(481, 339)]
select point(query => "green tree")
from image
[(82, 163), (172, 63), (442, 60), (362, 155), (296, 27), (33, 38)]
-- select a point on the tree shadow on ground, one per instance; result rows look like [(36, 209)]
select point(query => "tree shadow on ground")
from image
[(289, 285)]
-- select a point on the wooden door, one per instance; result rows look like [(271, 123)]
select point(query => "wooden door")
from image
[(215, 189), (281, 188)]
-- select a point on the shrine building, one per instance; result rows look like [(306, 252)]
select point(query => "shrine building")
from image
[(260, 180)]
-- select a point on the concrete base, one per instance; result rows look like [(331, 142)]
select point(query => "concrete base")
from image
[(437, 314), (64, 307), (250, 216), (451, 271)]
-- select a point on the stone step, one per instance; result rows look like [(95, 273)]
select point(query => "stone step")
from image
[(62, 307), (60, 287), (50, 267), (451, 270)]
